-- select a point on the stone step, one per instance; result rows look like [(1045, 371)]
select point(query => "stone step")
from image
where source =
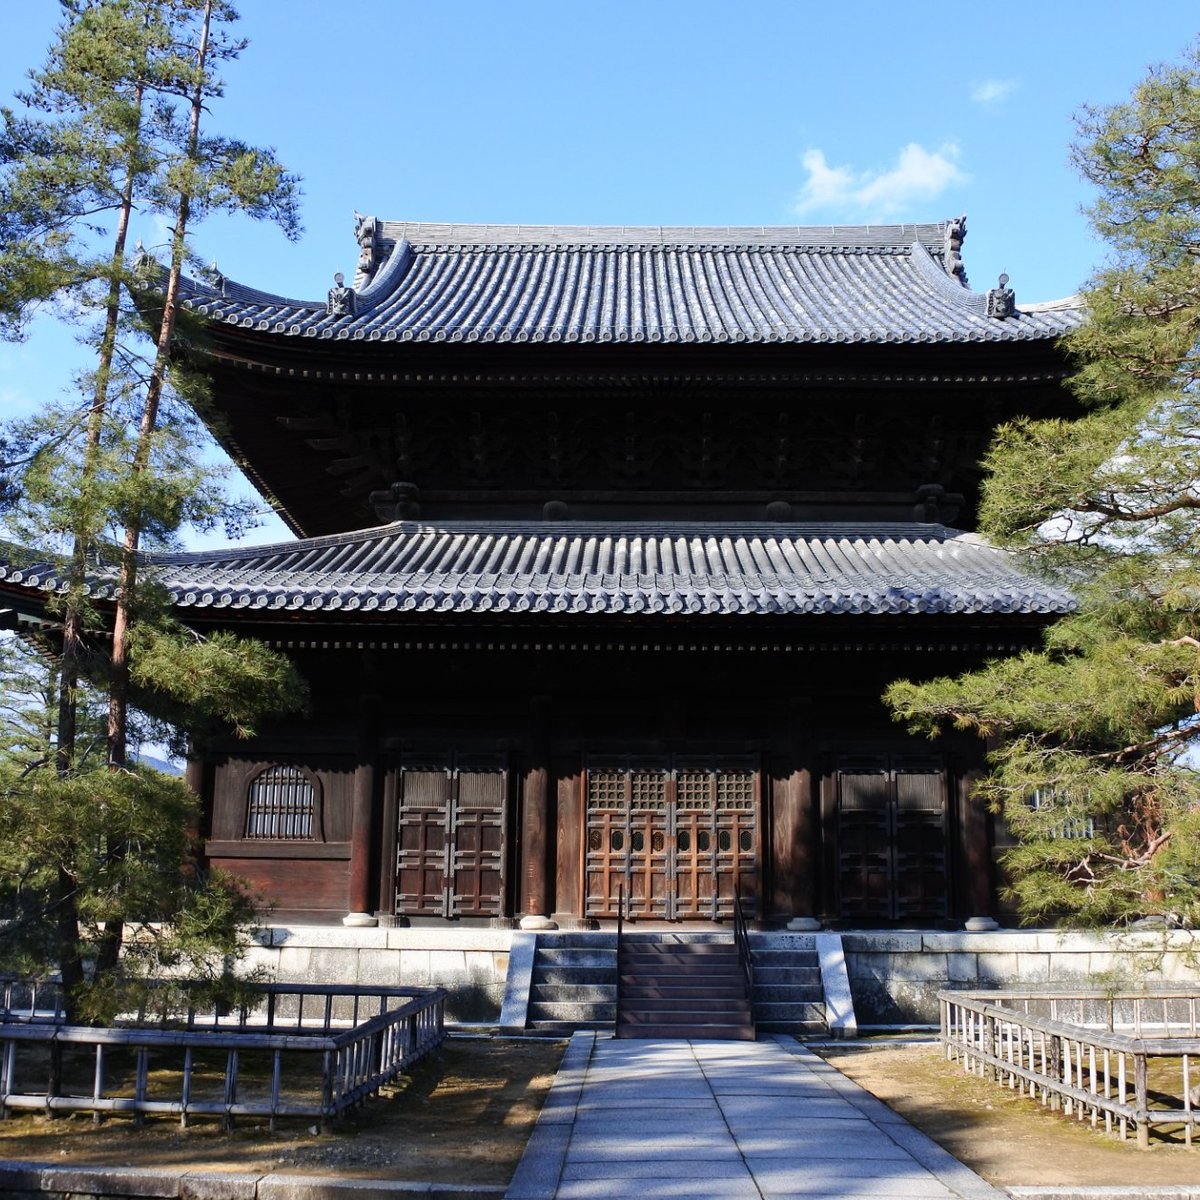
[(577, 941), (639, 989), (569, 975), (681, 971), (774, 1011), (808, 1029), (665, 961), (771, 993), (697, 1032), (574, 957), (582, 992), (570, 1010), (566, 1028), (681, 938), (785, 958), (810, 976), (637, 1009)]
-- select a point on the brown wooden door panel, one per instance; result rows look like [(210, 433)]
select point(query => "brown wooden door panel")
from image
[(683, 844), (478, 863), (450, 840), (892, 843), (421, 862)]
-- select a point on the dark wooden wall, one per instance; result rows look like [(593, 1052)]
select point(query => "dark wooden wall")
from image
[(542, 712)]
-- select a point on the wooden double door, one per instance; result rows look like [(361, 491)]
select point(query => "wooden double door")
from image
[(450, 844), (681, 841), (892, 835)]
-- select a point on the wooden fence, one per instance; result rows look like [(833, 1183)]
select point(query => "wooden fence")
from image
[(298, 1050), (1088, 1054)]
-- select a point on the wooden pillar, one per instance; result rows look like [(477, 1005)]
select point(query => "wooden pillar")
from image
[(805, 866), (534, 900), (362, 820), (194, 776), (976, 863)]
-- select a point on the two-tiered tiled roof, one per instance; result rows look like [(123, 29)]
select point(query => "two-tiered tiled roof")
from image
[(581, 284), (575, 568)]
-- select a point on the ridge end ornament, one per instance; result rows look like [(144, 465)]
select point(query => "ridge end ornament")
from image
[(1002, 300), (340, 301), (956, 234), (366, 234)]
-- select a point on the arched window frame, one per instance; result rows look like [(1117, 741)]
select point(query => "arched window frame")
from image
[(282, 820)]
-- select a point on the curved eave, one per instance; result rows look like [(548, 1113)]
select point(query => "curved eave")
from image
[(864, 287), (687, 570)]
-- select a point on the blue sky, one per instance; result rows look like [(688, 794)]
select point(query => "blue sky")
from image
[(660, 112)]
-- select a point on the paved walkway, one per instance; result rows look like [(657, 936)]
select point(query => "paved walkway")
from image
[(709, 1120)]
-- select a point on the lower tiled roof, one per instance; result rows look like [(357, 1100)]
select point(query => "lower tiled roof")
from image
[(576, 568)]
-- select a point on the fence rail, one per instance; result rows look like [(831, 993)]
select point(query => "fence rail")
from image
[(1069, 1050), (296, 1050)]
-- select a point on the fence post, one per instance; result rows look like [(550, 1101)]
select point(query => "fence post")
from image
[(1141, 1106)]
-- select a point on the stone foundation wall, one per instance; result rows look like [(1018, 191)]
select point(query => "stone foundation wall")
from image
[(470, 963), (895, 976)]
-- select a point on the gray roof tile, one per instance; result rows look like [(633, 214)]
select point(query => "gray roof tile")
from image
[(684, 568), (482, 283)]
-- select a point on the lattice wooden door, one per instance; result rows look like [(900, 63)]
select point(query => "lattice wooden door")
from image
[(682, 843)]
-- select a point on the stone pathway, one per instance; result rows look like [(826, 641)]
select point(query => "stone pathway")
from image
[(707, 1120)]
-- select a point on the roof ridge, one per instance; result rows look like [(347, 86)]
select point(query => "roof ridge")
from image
[(459, 233), (797, 530)]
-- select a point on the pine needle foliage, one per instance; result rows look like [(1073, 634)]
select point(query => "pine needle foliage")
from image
[(1094, 736)]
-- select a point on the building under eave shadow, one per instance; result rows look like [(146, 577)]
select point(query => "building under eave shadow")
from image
[(610, 541)]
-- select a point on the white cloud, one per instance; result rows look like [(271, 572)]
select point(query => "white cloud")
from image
[(919, 175), (991, 92)]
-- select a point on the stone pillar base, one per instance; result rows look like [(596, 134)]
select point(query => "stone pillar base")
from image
[(804, 924), (981, 925), (537, 922), (360, 920)]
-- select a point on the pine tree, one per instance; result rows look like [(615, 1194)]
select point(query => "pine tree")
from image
[(1095, 734), (113, 123)]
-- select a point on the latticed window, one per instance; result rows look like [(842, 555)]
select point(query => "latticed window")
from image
[(1078, 826), (735, 790), (282, 805)]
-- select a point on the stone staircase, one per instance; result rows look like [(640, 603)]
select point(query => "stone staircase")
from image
[(674, 984), (788, 994), (574, 984), (682, 986)]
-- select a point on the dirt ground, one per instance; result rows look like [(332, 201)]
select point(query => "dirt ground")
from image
[(1010, 1140), (463, 1115)]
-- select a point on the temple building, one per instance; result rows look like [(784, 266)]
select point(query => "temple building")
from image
[(609, 542)]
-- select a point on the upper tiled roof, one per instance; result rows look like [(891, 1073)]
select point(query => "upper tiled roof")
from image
[(570, 568), (487, 283)]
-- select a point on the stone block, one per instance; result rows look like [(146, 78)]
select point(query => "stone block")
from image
[(110, 1181), (379, 967), (201, 1185), (454, 938), (962, 968), (1033, 968), (333, 965), (447, 964), (414, 967), (295, 964), (1068, 968), (479, 967), (348, 937), (882, 942), (998, 969), (1003, 941), (921, 966)]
